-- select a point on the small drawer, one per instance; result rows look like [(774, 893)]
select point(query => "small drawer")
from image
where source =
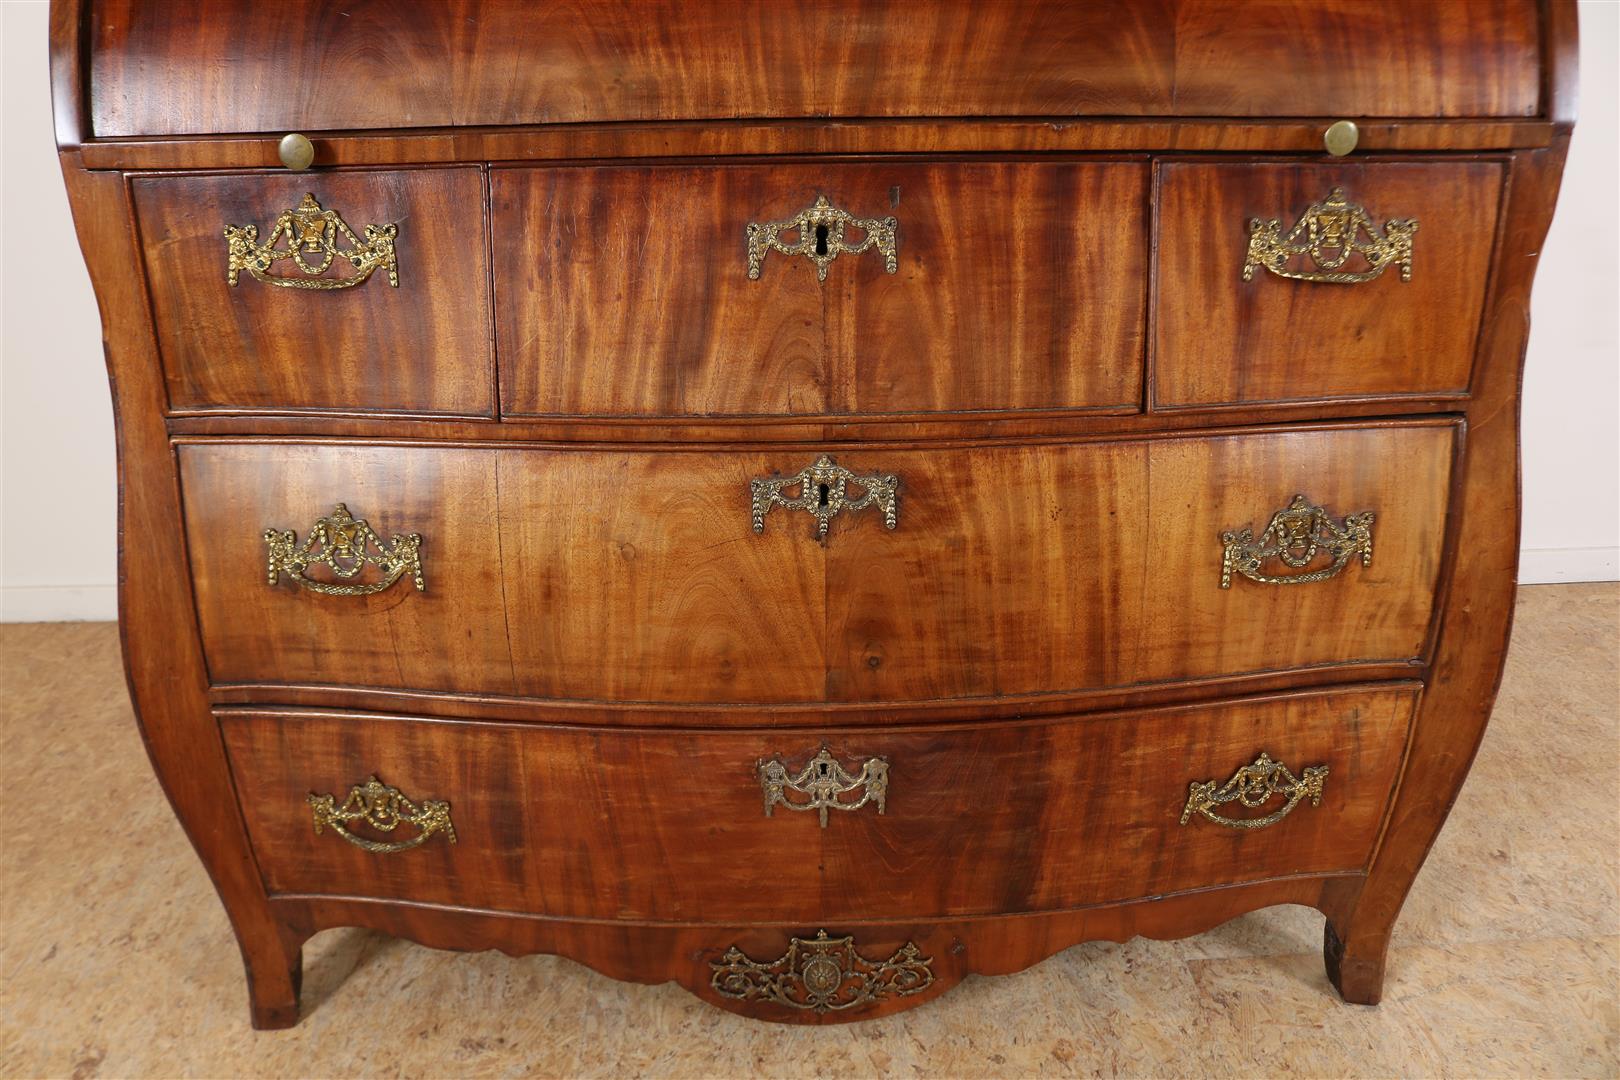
[(731, 826), (642, 291), (354, 291), (1292, 282), (788, 575)]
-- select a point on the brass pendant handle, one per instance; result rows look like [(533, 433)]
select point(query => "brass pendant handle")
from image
[(1295, 536), (346, 546), (824, 783), (824, 492), (385, 809), (1253, 786), (308, 236), (1330, 232), (821, 238), (821, 974)]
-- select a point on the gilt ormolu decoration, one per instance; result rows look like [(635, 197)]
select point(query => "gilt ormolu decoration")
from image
[(821, 238), (822, 974), (308, 238), (385, 809), (346, 546), (823, 783), (1253, 786), (1295, 536), (1330, 233)]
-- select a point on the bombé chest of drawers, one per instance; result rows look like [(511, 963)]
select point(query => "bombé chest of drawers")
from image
[(812, 500)]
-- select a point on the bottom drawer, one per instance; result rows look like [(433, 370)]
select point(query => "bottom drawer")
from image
[(704, 826)]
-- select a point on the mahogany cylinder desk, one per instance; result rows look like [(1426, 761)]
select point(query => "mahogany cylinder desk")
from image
[(812, 499)]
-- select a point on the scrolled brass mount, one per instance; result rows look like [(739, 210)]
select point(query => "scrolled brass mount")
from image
[(1253, 786), (310, 230), (1330, 232), (821, 974), (1294, 536), (385, 809), (824, 782), (820, 229), (346, 546), (824, 492)]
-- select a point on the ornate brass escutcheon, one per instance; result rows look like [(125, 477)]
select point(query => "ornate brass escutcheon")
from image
[(1294, 537), (1330, 232), (824, 783), (824, 492), (385, 809), (308, 237), (823, 974), (821, 238), (347, 546), (1253, 786)]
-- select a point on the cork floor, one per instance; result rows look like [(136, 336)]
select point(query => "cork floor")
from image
[(116, 960)]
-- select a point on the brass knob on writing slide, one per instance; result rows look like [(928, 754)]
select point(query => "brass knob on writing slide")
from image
[(1340, 138), (297, 152)]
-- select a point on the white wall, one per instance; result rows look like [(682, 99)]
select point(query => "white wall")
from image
[(1572, 376), (58, 488), (57, 485)]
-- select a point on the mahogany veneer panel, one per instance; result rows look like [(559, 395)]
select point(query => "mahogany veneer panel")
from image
[(1220, 339), (423, 347), (310, 66), (623, 576), (1019, 286), (635, 576), (1066, 567), (666, 825)]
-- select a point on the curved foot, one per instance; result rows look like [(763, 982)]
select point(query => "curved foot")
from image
[(1357, 973), (274, 977)]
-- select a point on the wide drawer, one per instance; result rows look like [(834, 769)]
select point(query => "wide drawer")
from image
[(663, 825), (640, 291), (1284, 282), (637, 575), (356, 291)]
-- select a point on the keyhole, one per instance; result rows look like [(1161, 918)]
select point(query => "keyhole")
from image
[(821, 494), (821, 249)]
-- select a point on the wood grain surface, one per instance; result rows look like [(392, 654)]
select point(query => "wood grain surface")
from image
[(1219, 339), (593, 562), (1018, 286), (423, 347), (669, 826), (218, 67), (634, 576)]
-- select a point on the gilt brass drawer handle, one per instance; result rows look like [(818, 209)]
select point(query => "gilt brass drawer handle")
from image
[(824, 491), (822, 974), (1294, 537), (824, 782), (346, 546), (1330, 232), (820, 238), (310, 231), (385, 809), (1253, 786)]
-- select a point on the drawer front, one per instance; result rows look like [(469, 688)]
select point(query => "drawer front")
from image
[(637, 576), (628, 291), (661, 825), (351, 291), (1395, 315)]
